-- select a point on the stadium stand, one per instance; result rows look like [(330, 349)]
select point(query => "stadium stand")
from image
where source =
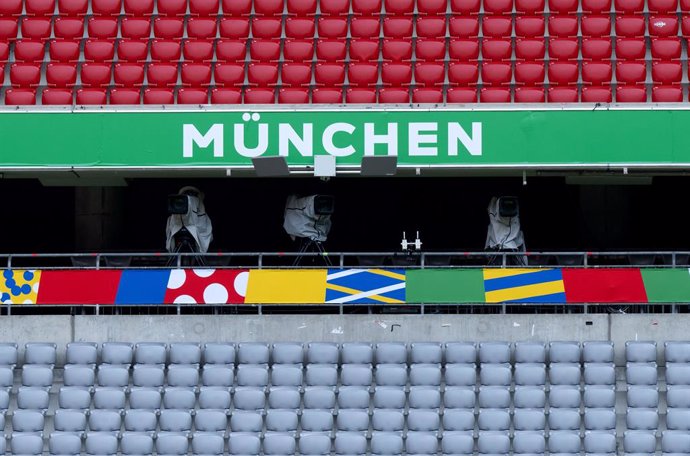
[(297, 51)]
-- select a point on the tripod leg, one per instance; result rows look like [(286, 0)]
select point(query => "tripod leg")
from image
[(303, 248), (322, 251)]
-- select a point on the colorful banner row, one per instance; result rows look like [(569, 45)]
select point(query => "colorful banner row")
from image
[(344, 286)]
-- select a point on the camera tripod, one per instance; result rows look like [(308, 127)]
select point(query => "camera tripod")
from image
[(511, 260), (185, 242), (310, 245)]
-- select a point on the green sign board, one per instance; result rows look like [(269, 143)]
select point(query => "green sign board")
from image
[(176, 138)]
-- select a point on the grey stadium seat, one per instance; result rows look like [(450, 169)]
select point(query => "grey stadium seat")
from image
[(145, 398), (648, 397), (33, 398), (171, 443), (26, 444), (286, 376), (76, 375), (564, 419), (6, 376), (530, 374), (8, 354), (600, 419), (353, 398), (675, 443), (109, 398), (74, 398), (150, 353), (241, 421), (210, 421), (458, 420), (279, 443), (69, 420), (316, 421), (418, 443), (640, 351), (117, 353), (356, 375), (352, 420), (424, 397), (677, 396), (597, 352), (423, 421), (253, 353), (4, 401), (242, 443), (288, 353), (40, 353), (350, 443), (530, 352), (140, 420), (677, 374), (529, 420), (321, 375), (642, 419), (314, 443), (597, 442), (461, 353), (27, 421), (219, 353), (641, 374), (185, 353), (494, 397), (101, 443), (208, 443), (426, 353), (638, 442), (282, 397), (461, 375), (105, 420), (64, 443), (391, 375), (136, 443), (562, 442), (599, 397), (565, 397), (564, 374), (115, 376), (387, 420), (456, 397), (37, 375), (529, 443), (493, 420), (182, 375), (250, 375), (319, 397), (386, 443), (179, 398), (323, 353), (148, 375), (494, 352), (175, 421), (389, 397), (529, 397), (457, 443), (219, 375), (677, 352), (391, 353), (357, 353), (425, 375), (600, 374), (678, 419), (564, 352), (249, 399), (211, 397), (493, 443), (495, 375), (281, 420), (81, 353)]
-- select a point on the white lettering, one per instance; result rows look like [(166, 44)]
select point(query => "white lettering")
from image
[(457, 133), (371, 139), (262, 143), (328, 134), (191, 136), (304, 144), (417, 138)]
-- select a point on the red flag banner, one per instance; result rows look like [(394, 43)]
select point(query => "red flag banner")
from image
[(79, 287), (604, 286)]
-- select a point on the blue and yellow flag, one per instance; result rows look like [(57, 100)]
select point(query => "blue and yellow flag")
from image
[(365, 286), (524, 285)]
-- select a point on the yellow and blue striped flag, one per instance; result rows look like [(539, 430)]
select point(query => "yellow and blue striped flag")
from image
[(524, 285)]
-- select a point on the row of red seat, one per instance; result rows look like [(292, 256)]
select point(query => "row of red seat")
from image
[(537, 94), (327, 7), (334, 74)]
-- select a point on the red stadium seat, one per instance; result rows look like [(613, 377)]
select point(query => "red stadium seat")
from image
[(330, 74), (125, 96), (166, 50), (293, 96), (57, 97), (363, 74), (360, 96), (563, 26), (159, 96), (29, 50), (63, 51), (563, 48), (103, 27), (563, 6), (562, 73), (429, 74), (461, 95), (299, 50), (69, 28), (397, 27), (262, 74), (364, 50), (266, 27), (331, 50), (593, 94), (432, 6), (334, 8), (61, 74), (665, 94), (25, 75), (295, 74), (661, 26), (529, 26), (396, 74), (530, 95), (139, 7), (132, 50), (228, 74), (431, 27), (168, 27), (95, 74), (226, 96), (196, 74), (264, 50), (596, 26), (495, 49), (463, 73), (631, 94), (231, 50), (236, 8), (11, 8), (36, 28), (667, 72), (327, 95), (463, 27), (427, 96), (99, 50), (397, 50), (685, 25), (597, 73), (562, 95), (497, 26), (465, 6), (202, 28), (662, 6), (631, 72), (136, 28), (204, 7), (496, 73), (430, 49), (73, 7), (9, 28), (629, 6), (494, 95), (92, 97), (498, 6), (529, 73), (630, 26), (129, 74), (172, 7), (366, 7), (630, 48), (269, 7), (4, 53), (198, 50), (301, 7), (530, 48), (530, 6), (463, 49), (666, 48), (300, 27), (596, 6), (194, 96), (106, 8), (259, 96), (40, 7), (394, 95), (596, 48), (20, 97), (333, 27), (234, 27), (399, 7)]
